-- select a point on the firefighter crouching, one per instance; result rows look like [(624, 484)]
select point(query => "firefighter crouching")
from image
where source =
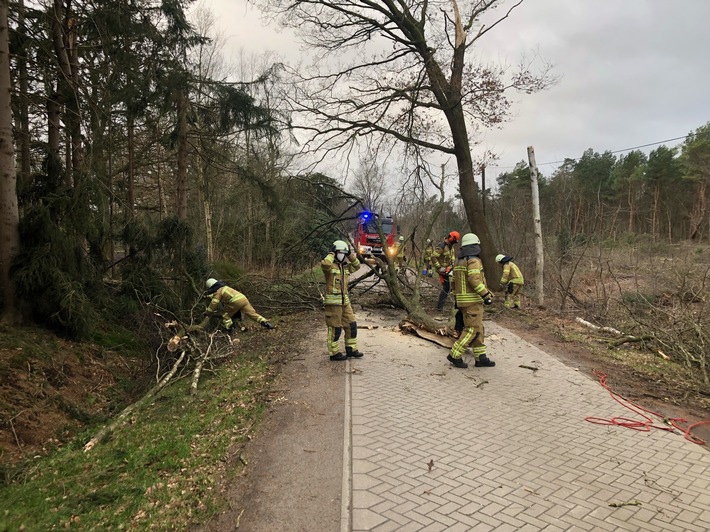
[(471, 294), (234, 304), (512, 281), (443, 259), (337, 266)]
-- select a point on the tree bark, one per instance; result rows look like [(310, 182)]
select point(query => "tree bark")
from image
[(22, 105), (9, 213), (182, 155), (537, 225)]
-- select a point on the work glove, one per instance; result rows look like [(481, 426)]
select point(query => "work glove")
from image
[(267, 325), (442, 271), (488, 299)]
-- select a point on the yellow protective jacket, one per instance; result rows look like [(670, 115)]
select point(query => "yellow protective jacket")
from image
[(443, 255), (428, 251), (225, 295), (401, 250), (336, 278), (469, 281), (511, 274)]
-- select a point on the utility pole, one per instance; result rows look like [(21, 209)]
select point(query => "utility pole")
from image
[(537, 226)]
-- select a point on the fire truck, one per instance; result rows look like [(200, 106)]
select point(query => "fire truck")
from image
[(367, 239)]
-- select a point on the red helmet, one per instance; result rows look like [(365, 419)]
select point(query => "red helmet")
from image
[(454, 236)]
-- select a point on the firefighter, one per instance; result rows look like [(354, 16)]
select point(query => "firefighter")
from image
[(442, 259), (234, 303), (337, 266), (512, 281), (428, 251), (401, 250), (471, 294)]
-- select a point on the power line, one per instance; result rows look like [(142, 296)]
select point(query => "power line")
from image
[(615, 151)]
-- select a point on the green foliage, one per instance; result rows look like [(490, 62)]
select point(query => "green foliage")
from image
[(165, 251), (56, 281), (139, 477), (638, 302), (227, 271)]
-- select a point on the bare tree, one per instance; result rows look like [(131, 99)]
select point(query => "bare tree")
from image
[(398, 70), (370, 183)]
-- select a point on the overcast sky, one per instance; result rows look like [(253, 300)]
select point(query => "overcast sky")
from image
[(632, 72)]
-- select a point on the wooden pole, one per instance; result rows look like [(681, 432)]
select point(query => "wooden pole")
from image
[(537, 226)]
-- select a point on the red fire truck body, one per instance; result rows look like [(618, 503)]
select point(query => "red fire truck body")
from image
[(367, 238)]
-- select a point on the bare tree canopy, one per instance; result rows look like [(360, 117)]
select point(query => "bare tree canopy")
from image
[(398, 70)]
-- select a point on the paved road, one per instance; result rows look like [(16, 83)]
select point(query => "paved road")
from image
[(509, 446)]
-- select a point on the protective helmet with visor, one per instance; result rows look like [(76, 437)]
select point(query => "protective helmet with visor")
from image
[(340, 250)]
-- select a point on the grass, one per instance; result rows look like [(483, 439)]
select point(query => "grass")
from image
[(157, 472)]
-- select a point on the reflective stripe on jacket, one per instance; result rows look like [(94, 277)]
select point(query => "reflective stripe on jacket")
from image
[(336, 279), (224, 295), (511, 274), (469, 281)]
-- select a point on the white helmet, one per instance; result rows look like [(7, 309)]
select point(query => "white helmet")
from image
[(210, 283), (499, 258), (340, 245), (401, 238), (470, 238), (428, 240)]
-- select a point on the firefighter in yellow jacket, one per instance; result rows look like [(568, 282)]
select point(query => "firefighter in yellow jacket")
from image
[(234, 303), (512, 281), (471, 294), (401, 251), (442, 259), (428, 252), (337, 266)]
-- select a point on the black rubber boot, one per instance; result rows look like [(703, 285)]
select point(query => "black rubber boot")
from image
[(337, 357), (457, 362), (353, 354), (484, 362)]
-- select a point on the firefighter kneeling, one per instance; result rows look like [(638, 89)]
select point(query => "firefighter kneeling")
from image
[(337, 266)]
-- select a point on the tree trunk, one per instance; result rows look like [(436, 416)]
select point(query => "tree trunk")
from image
[(698, 211), (656, 206), (22, 105), (632, 207), (539, 249), (448, 95), (182, 155), (9, 214), (54, 134), (130, 170)]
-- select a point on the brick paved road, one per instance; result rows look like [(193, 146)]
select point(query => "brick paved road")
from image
[(510, 447)]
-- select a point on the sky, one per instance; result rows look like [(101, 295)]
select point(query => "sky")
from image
[(631, 72)]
